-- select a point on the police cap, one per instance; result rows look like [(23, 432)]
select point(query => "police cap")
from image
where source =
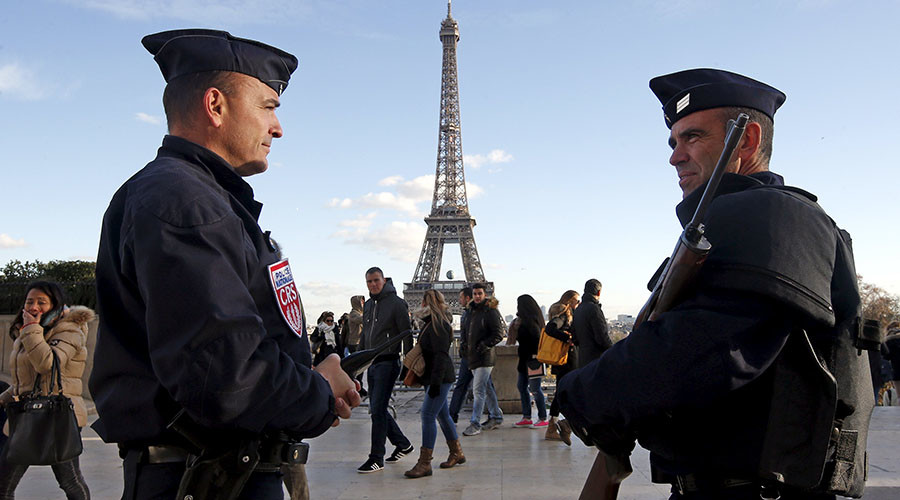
[(693, 90), (182, 52)]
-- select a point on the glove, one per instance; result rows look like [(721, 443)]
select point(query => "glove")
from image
[(434, 390)]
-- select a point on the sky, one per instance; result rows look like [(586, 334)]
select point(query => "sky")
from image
[(565, 147)]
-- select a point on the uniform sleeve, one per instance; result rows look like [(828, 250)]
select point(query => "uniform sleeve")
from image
[(206, 339), (704, 348)]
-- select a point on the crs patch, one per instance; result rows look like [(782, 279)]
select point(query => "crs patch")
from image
[(286, 295)]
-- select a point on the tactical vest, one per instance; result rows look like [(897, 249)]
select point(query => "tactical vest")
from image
[(821, 400)]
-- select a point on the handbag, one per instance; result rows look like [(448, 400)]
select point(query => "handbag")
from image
[(43, 430), (415, 361), (411, 379), (535, 368), (552, 350)]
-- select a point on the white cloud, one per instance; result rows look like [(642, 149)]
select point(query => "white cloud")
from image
[(340, 203), (7, 241), (390, 181), (400, 240), (492, 158), (361, 222), (20, 82), (473, 190), (388, 200), (144, 117)]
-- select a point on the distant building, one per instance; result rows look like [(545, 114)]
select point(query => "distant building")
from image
[(544, 311), (625, 319), (509, 318)]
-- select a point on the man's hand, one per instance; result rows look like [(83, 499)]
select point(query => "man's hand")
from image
[(344, 388)]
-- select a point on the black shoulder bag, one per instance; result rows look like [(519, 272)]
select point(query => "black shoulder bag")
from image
[(43, 429)]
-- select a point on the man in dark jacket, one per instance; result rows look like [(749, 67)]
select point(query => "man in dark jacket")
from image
[(754, 385), (384, 315), (197, 311), (464, 378), (591, 329), (484, 331)]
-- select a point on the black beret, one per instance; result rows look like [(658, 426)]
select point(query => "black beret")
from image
[(693, 90), (182, 52)]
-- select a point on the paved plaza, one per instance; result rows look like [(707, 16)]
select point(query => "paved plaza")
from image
[(506, 463)]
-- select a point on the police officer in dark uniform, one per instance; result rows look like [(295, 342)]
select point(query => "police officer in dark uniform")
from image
[(199, 318), (753, 386)]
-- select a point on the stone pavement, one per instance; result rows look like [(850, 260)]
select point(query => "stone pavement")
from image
[(506, 463)]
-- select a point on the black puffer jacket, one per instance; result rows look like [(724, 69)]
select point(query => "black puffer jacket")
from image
[(385, 315), (485, 330), (591, 330), (435, 342)]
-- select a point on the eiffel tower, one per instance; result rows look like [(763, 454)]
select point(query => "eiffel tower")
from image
[(449, 221)]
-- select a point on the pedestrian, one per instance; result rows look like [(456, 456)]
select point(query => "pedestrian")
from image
[(326, 338), (353, 336), (751, 386), (591, 328), (560, 326), (531, 323), (484, 331), (200, 320), (45, 327), (384, 316), (434, 340), (464, 378)]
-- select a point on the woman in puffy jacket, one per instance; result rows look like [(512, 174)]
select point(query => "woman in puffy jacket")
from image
[(46, 326), (437, 378)]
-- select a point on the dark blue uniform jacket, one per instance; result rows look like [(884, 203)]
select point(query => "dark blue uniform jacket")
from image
[(188, 314), (694, 386)]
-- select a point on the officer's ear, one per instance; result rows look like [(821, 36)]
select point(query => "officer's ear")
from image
[(749, 145), (214, 106)]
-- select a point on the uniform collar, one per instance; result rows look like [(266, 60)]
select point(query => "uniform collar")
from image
[(730, 183), (215, 165)]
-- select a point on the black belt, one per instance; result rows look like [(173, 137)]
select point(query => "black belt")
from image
[(272, 454), (695, 483)]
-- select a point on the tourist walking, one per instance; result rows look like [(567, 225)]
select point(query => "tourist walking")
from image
[(560, 326), (485, 330), (531, 322), (43, 328), (435, 341), (589, 323)]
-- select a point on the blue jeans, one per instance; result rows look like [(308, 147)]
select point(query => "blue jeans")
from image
[(534, 384), (462, 387), (381, 377), (436, 408), (481, 383)]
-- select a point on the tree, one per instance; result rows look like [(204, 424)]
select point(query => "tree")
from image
[(76, 277), (878, 304)]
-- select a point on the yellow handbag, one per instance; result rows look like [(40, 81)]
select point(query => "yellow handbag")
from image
[(552, 350)]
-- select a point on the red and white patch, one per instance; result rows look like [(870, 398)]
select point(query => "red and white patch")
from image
[(286, 295)]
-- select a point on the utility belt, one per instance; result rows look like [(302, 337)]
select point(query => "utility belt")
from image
[(272, 454), (689, 484)]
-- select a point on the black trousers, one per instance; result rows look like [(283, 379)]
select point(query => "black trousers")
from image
[(145, 481)]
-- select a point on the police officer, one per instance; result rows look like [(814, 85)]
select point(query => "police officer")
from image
[(197, 313), (752, 386)]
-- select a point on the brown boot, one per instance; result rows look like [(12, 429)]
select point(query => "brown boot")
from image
[(565, 431), (456, 455), (423, 466), (552, 433)]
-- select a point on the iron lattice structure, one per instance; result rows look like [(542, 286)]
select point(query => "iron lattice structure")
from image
[(449, 221)]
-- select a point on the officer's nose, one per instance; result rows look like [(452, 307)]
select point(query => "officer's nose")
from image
[(276, 129), (678, 156)]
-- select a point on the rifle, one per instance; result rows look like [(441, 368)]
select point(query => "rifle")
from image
[(357, 362), (670, 287)]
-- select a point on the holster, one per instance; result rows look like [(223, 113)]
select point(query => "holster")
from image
[(219, 474)]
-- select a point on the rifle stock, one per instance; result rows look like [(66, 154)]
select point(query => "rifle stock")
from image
[(674, 283)]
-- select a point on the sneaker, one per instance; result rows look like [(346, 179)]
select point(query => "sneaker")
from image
[(491, 424), (539, 424), (525, 422), (398, 454), (370, 466), (472, 430)]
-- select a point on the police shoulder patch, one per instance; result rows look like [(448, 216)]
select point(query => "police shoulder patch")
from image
[(286, 295)]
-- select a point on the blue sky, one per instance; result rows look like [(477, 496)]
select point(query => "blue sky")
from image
[(565, 145)]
